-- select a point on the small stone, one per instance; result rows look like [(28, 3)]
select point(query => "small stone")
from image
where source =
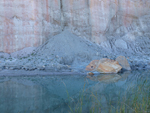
[(6, 67), (97, 53), (44, 61), (68, 66), (57, 56), (72, 70), (90, 73), (121, 44), (11, 68)]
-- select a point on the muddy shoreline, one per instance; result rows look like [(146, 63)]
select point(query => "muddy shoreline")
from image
[(35, 73), (7, 72)]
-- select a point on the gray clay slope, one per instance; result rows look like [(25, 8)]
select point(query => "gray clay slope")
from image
[(70, 48)]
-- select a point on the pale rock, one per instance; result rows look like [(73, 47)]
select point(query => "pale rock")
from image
[(123, 62), (130, 37), (90, 73), (121, 44)]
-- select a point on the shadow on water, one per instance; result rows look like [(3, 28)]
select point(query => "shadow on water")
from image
[(106, 93)]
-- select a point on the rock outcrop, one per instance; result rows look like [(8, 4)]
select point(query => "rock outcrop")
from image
[(28, 23), (104, 66), (108, 23)]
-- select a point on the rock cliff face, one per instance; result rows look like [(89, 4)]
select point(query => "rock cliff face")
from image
[(27, 23), (116, 25)]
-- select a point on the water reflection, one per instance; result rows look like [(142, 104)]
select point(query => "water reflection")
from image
[(108, 78), (54, 93), (37, 94)]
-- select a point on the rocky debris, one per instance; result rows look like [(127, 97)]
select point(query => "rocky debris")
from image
[(68, 48), (63, 52), (23, 53), (68, 52), (104, 66), (123, 62), (4, 55), (140, 65)]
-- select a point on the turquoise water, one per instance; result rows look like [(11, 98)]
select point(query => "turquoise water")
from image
[(74, 93)]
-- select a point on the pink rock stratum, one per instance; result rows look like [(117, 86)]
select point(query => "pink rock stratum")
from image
[(29, 23)]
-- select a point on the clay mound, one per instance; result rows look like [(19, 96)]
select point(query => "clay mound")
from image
[(69, 46)]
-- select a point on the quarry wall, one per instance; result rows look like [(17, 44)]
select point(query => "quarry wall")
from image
[(109, 23)]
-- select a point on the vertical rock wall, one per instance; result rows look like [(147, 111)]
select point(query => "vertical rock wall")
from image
[(94, 18), (29, 23), (76, 17)]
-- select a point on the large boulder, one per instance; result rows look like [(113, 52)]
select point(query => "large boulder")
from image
[(123, 62), (104, 66)]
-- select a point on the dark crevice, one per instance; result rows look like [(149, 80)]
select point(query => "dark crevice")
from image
[(61, 6), (62, 21)]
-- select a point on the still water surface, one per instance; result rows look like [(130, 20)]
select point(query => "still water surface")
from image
[(72, 93)]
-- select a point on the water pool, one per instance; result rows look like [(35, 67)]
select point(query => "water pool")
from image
[(107, 93)]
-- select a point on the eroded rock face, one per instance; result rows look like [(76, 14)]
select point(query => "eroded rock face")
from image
[(104, 66), (27, 23), (105, 22)]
